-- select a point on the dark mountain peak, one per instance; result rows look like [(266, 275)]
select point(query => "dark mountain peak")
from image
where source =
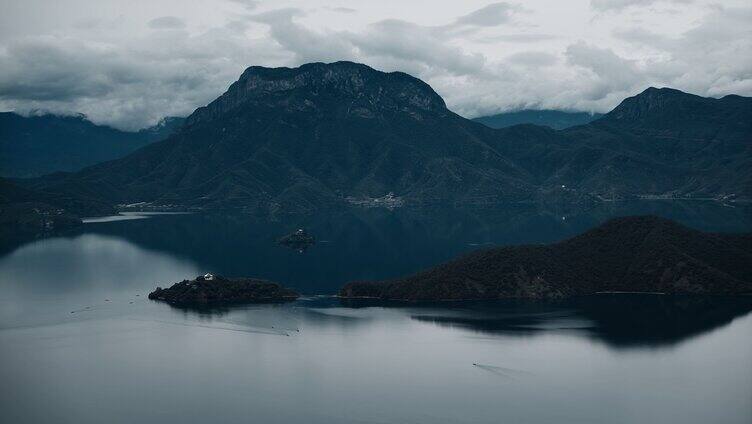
[(676, 115), (39, 144), (663, 91), (346, 78), (341, 67), (653, 101), (363, 89)]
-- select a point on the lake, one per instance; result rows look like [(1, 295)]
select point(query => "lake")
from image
[(81, 343)]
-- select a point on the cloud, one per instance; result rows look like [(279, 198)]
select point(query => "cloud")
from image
[(305, 45), (517, 38), (341, 9), (166, 22), (618, 5), (712, 58), (119, 71), (417, 48), (248, 4), (607, 74), (491, 15), (603, 63), (128, 86), (393, 43), (643, 37), (532, 59)]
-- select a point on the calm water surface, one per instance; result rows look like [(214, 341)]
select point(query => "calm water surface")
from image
[(80, 343)]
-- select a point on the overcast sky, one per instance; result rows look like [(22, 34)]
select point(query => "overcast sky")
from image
[(129, 63)]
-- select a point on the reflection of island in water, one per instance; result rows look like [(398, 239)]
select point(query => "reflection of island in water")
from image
[(623, 321), (619, 320)]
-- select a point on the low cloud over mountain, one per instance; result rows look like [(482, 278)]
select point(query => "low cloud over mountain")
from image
[(482, 57)]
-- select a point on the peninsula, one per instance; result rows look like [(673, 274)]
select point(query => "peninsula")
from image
[(642, 254)]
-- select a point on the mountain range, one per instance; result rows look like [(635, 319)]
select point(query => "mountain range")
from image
[(41, 144), (324, 135), (556, 119), (632, 254)]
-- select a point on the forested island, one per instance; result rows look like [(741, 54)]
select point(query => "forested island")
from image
[(643, 254), (216, 290)]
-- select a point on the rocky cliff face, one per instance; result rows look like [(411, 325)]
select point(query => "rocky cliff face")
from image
[(365, 92)]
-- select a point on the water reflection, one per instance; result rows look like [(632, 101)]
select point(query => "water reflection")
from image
[(86, 263), (620, 321), (377, 244), (127, 216)]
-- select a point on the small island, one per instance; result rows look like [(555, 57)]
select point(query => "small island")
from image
[(640, 254), (215, 290), (299, 240)]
